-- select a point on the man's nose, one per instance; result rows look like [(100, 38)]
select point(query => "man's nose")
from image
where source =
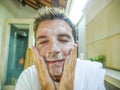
[(54, 47)]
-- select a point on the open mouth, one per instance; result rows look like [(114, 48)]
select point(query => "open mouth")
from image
[(55, 61)]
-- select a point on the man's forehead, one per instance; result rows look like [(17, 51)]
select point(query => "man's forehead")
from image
[(54, 27), (54, 22)]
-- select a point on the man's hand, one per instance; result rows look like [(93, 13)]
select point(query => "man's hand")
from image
[(67, 80), (46, 82)]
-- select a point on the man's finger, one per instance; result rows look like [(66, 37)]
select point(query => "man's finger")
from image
[(73, 53)]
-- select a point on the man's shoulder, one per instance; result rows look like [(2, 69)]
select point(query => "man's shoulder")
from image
[(31, 68), (87, 73), (89, 62), (30, 71), (28, 79), (88, 65)]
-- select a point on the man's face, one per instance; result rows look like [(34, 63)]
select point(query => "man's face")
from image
[(54, 41)]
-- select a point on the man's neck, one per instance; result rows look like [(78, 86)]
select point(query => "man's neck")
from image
[(57, 85)]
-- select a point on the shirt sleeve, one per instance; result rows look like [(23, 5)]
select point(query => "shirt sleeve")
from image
[(23, 82), (101, 85), (28, 80), (89, 75)]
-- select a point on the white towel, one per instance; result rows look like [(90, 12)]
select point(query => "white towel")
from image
[(89, 75)]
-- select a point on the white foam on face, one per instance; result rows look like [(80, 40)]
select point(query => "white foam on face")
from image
[(54, 57), (52, 29)]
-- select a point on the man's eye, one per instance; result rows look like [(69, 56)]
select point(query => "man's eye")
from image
[(63, 40), (43, 42)]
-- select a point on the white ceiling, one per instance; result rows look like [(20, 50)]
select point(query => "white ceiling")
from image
[(91, 9), (17, 9)]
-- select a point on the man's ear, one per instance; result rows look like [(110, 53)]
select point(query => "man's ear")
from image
[(77, 48)]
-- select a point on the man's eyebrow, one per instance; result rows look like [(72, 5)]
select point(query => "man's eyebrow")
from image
[(41, 37), (64, 35)]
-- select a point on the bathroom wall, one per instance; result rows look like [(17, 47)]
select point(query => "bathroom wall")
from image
[(5, 14), (103, 37), (81, 38), (7, 18), (5, 45)]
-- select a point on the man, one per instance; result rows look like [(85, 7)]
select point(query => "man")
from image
[(56, 64)]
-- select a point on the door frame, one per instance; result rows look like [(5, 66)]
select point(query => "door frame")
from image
[(5, 41)]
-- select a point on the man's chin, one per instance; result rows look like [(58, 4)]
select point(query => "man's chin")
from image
[(56, 78)]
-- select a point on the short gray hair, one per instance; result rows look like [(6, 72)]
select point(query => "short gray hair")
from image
[(51, 13)]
